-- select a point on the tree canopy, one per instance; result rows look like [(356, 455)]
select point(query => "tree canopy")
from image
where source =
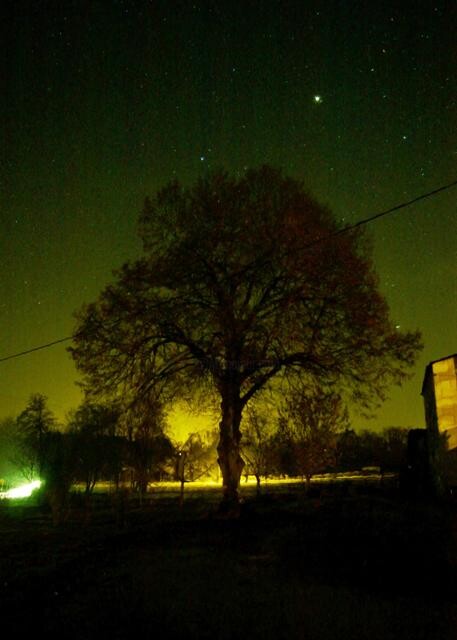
[(242, 280)]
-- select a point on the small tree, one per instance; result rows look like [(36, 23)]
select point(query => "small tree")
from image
[(92, 427), (144, 422), (284, 462), (34, 423), (194, 458), (258, 445), (314, 416), (46, 453)]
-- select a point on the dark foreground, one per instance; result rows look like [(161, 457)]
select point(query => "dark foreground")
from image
[(369, 565)]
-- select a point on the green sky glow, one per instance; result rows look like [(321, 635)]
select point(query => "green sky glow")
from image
[(105, 102)]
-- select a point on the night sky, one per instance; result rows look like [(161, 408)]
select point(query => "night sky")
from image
[(104, 102)]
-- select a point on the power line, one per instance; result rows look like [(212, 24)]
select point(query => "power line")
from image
[(376, 216), (42, 346), (360, 223)]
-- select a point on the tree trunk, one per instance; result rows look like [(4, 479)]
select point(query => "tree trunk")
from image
[(181, 492), (308, 483), (228, 449), (257, 479)]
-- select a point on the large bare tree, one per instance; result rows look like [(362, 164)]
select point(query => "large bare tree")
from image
[(242, 280)]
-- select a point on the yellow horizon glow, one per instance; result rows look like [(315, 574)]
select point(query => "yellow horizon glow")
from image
[(181, 423)]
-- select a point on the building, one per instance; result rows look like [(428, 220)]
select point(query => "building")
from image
[(439, 391)]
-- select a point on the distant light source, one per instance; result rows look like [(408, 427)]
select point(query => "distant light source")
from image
[(317, 99), (23, 491)]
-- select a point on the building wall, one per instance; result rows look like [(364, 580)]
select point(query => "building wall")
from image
[(445, 392)]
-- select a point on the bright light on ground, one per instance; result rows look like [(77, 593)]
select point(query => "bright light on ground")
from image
[(23, 491)]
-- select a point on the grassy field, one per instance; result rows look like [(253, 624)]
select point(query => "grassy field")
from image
[(363, 563)]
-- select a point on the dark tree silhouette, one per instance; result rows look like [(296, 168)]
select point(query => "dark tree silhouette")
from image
[(395, 448), (258, 443), (349, 452), (149, 447), (313, 418), (93, 426), (386, 449), (242, 280), (46, 453), (194, 458), (58, 472), (34, 423)]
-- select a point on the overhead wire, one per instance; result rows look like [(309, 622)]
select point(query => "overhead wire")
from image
[(381, 214), (38, 348)]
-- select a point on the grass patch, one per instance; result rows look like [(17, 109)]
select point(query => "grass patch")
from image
[(355, 566)]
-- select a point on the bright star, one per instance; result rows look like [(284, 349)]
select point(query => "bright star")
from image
[(317, 99)]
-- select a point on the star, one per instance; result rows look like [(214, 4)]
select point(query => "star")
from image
[(317, 99)]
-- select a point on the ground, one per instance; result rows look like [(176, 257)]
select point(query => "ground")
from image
[(363, 563)]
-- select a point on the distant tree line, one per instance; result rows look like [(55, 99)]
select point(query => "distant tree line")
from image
[(307, 434), (98, 442), (310, 436)]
